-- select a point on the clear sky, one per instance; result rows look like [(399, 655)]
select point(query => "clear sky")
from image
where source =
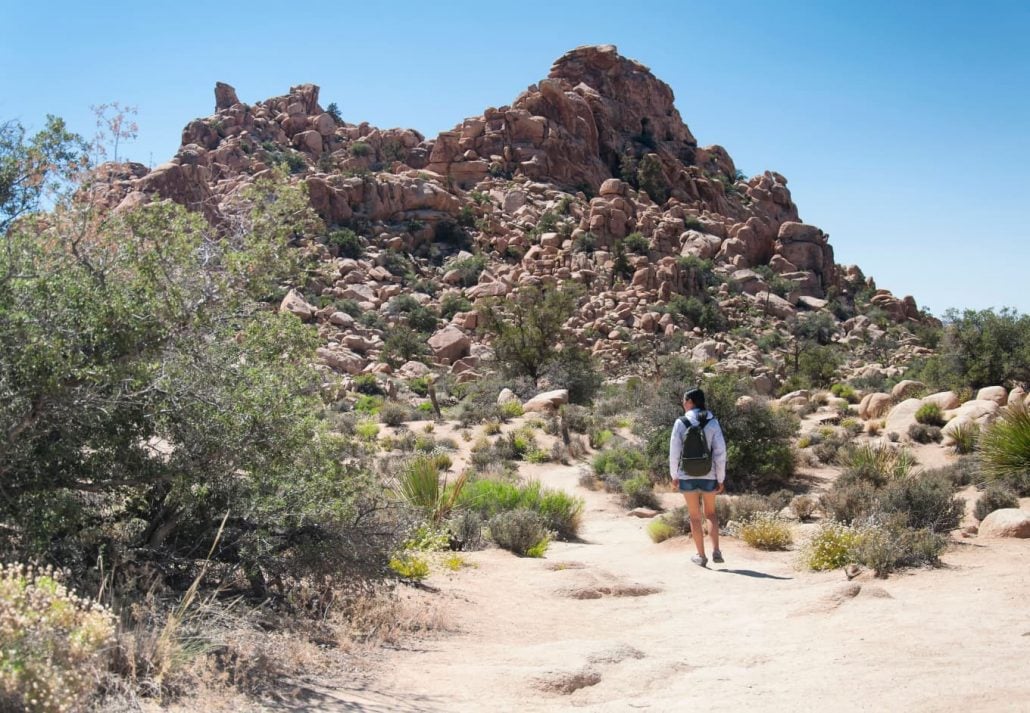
[(902, 127)]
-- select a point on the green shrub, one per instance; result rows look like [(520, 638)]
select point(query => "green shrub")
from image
[(452, 303), (466, 528), (875, 464), (659, 530), (618, 461), (964, 437), (845, 391), (394, 413), (469, 269), (766, 532), (922, 433), (510, 409), (964, 471), (851, 426), (925, 502), (360, 149), (410, 566), (887, 546), (368, 384), (849, 501), (420, 385), (55, 644), (561, 512), (368, 405), (346, 242), (636, 243), (930, 414), (639, 492), (518, 531), (366, 430), (830, 547), (996, 496), (1005, 449), (749, 506), (421, 486), (803, 506)]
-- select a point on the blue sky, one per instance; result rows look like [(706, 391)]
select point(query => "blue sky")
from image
[(902, 127)]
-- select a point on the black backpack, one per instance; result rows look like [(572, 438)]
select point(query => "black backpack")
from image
[(696, 458)]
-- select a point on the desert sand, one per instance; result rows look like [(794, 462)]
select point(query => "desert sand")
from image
[(615, 622)]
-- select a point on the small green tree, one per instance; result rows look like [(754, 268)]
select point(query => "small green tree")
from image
[(528, 327)]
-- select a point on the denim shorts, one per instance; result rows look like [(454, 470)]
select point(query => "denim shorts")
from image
[(705, 485)]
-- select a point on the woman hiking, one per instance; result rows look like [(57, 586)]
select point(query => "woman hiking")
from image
[(704, 455)]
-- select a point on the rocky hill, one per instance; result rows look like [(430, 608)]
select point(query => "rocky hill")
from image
[(590, 176)]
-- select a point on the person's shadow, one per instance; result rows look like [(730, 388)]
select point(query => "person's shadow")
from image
[(751, 573)]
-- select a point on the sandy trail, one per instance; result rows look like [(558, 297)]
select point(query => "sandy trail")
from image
[(617, 623)]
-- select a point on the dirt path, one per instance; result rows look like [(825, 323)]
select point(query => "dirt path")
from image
[(617, 623)]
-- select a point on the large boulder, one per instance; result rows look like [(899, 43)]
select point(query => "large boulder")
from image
[(295, 304), (547, 401), (1007, 522), (905, 388), (449, 344), (902, 416), (998, 394), (944, 400), (874, 405)]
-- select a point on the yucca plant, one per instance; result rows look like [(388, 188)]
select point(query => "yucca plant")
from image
[(1005, 449), (876, 465), (964, 437), (422, 487)]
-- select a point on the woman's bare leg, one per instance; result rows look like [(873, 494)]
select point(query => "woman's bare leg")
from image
[(693, 500), (713, 519)]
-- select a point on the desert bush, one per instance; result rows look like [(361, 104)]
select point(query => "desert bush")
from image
[(765, 531), (748, 507), (885, 545), (576, 419), (659, 530), (995, 496), (964, 437), (830, 547), (346, 243), (510, 409), (828, 448), (561, 512), (803, 506), (394, 413), (152, 326), (622, 461), (849, 502), (964, 471), (930, 414), (420, 485), (466, 528), (55, 643), (519, 531), (409, 566), (538, 455), (851, 426), (845, 391), (875, 464), (639, 492), (922, 433), (873, 427), (926, 502), (780, 499), (368, 384), (1005, 449)]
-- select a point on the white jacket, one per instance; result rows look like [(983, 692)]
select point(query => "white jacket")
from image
[(716, 442)]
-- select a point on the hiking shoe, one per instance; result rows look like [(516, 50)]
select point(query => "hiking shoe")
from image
[(717, 556), (699, 560)]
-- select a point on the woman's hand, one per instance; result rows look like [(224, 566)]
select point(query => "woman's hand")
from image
[(720, 488)]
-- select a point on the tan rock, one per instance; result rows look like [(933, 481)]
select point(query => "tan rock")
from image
[(1018, 395), (902, 416), (547, 401), (944, 400), (998, 394), (295, 304), (904, 388), (1007, 522), (341, 360), (874, 405), (449, 344)]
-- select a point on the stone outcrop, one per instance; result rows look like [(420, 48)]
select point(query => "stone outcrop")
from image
[(590, 177)]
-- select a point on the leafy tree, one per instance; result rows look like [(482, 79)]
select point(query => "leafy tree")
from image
[(980, 348), (147, 394), (28, 169), (528, 328)]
